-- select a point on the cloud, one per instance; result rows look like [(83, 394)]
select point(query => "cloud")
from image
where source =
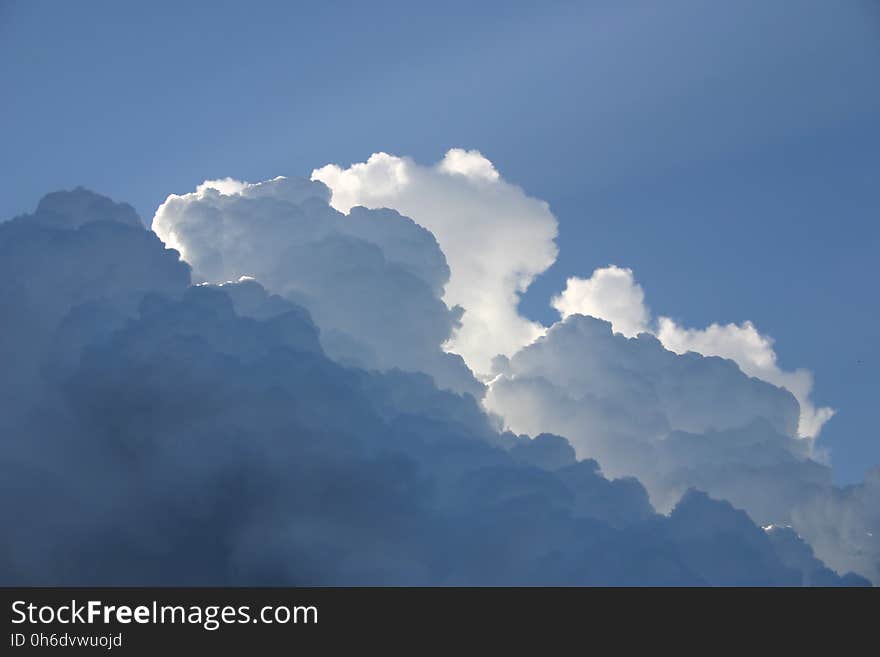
[(372, 279), (204, 437), (754, 354), (72, 209), (684, 421), (495, 238), (495, 249), (613, 397), (795, 553), (845, 523), (612, 293), (109, 261)]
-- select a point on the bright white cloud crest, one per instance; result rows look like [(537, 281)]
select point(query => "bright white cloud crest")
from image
[(612, 293), (372, 279), (495, 238), (754, 354), (387, 290)]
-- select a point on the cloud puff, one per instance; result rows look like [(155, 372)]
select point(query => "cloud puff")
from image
[(754, 354), (613, 396), (204, 437), (495, 238), (682, 421), (372, 279), (612, 293), (109, 261), (72, 209)]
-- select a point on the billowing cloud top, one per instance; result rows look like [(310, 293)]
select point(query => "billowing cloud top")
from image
[(350, 271), (305, 413), (495, 237), (612, 293)]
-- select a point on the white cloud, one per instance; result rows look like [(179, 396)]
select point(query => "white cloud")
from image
[(213, 366), (496, 238), (470, 164), (617, 398), (372, 280), (754, 354), (612, 294), (227, 186), (682, 421), (641, 406)]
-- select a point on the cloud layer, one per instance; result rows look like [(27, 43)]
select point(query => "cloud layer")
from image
[(274, 396), (206, 439)]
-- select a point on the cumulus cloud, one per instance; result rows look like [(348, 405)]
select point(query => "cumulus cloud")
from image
[(845, 524), (613, 397), (372, 279), (755, 355), (72, 209), (613, 294), (109, 261), (293, 417), (495, 238), (683, 421), (797, 554), (204, 437)]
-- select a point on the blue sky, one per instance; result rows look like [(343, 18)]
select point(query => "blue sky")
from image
[(727, 152)]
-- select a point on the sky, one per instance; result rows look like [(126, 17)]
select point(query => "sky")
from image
[(703, 174), (727, 154)]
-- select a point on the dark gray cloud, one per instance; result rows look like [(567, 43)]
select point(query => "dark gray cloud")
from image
[(65, 278), (184, 434), (72, 209)]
